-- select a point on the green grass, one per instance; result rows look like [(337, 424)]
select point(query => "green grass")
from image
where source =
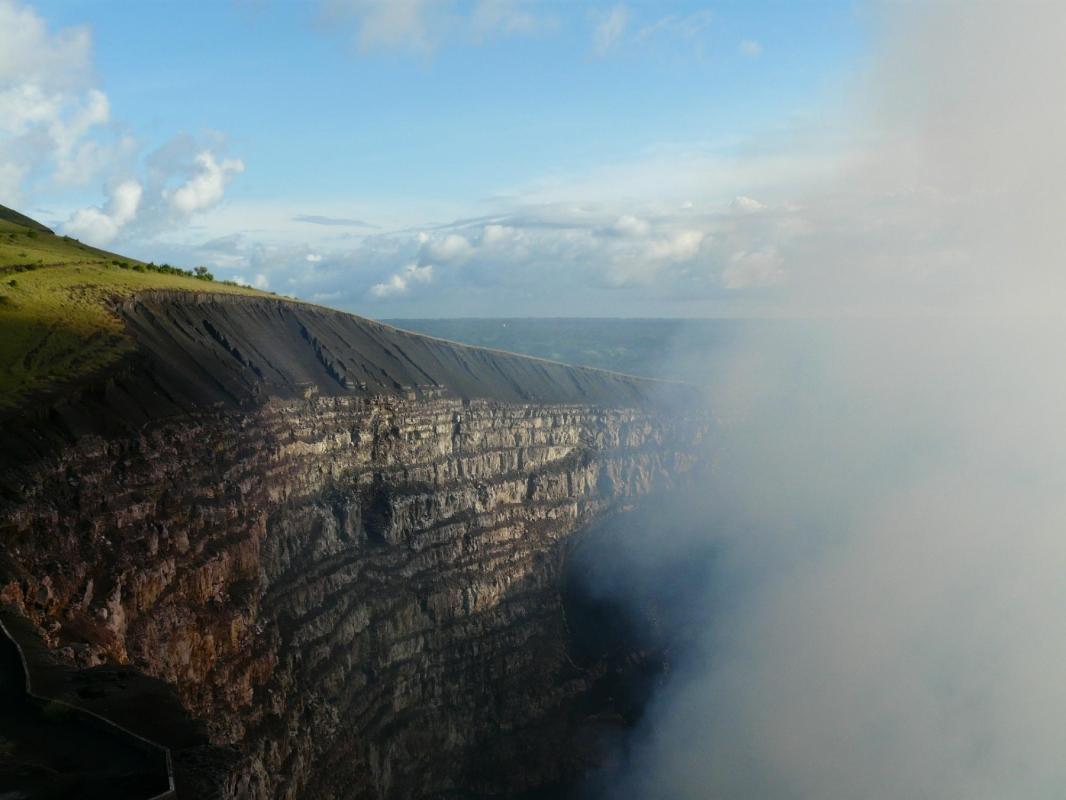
[(56, 322)]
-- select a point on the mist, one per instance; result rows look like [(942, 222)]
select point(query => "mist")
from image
[(885, 495)]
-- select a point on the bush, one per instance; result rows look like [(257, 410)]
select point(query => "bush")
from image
[(202, 274)]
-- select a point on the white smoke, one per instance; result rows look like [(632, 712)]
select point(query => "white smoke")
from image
[(889, 488)]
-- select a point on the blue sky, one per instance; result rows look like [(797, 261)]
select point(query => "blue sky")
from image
[(595, 121)]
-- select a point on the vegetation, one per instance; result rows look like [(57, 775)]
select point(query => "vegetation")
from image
[(56, 295)]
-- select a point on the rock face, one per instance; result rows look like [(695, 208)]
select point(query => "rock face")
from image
[(355, 587)]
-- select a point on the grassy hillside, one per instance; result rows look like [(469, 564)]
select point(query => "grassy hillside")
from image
[(55, 322), (11, 215)]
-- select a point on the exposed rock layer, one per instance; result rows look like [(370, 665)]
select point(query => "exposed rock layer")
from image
[(355, 586)]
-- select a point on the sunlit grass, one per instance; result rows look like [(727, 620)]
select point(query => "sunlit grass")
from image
[(56, 321)]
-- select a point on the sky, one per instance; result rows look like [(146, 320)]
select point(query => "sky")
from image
[(436, 157)]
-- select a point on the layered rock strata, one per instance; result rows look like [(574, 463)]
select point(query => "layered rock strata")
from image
[(357, 590)]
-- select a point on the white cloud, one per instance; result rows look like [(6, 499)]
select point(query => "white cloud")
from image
[(57, 133), (676, 246), (101, 225), (314, 258), (401, 282), (207, 186), (50, 116), (628, 225), (609, 30), (452, 249), (746, 205), (750, 48), (32, 56)]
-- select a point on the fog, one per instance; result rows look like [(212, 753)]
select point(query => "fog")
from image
[(886, 490)]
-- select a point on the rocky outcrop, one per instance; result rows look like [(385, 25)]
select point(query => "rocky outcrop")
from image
[(356, 589)]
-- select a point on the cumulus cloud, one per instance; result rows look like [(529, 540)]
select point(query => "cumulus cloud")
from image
[(207, 184), (450, 249), (141, 209), (401, 282), (50, 115), (57, 134), (650, 256), (99, 226), (32, 55)]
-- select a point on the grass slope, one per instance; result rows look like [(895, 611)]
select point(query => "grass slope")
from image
[(56, 324), (11, 215)]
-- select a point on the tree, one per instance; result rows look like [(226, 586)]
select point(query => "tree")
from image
[(203, 274)]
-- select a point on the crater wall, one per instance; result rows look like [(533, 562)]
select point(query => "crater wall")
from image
[(356, 590)]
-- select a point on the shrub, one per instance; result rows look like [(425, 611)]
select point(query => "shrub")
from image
[(202, 274)]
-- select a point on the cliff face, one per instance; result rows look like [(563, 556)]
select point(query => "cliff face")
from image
[(355, 585)]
